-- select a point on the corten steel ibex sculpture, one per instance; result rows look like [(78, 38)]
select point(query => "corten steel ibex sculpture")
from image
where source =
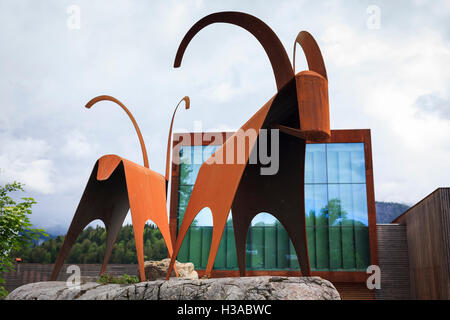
[(300, 111), (115, 186)]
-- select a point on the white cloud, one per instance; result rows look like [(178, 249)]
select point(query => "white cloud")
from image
[(76, 145), (26, 160), (383, 76), (126, 49)]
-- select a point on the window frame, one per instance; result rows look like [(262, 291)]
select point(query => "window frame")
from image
[(337, 136)]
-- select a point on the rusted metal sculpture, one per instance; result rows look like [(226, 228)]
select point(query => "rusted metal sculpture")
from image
[(300, 111), (115, 186)]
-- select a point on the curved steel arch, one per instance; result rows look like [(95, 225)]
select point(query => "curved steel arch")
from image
[(300, 111), (115, 186), (278, 57), (312, 52)]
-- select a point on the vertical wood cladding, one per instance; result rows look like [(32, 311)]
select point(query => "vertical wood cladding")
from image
[(393, 262), (354, 291), (428, 232)]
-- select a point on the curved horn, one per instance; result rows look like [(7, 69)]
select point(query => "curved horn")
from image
[(278, 57), (187, 101), (312, 53), (141, 140)]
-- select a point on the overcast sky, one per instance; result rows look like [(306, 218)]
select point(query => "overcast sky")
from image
[(391, 75)]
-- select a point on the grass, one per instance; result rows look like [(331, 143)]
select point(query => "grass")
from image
[(123, 279)]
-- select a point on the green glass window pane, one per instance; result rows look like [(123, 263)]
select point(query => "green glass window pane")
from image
[(316, 196), (322, 252), (345, 163), (357, 159), (360, 212), (315, 164), (256, 247), (341, 202), (221, 258), (183, 254), (282, 247), (186, 155), (362, 245), (335, 238), (336, 216), (188, 173), (231, 246), (311, 242), (184, 192), (206, 245), (208, 152), (195, 247), (321, 227), (293, 261), (197, 155), (270, 246)]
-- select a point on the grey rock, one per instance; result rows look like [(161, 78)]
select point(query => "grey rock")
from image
[(246, 288), (155, 270)]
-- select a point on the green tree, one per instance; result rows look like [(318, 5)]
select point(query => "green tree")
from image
[(16, 230)]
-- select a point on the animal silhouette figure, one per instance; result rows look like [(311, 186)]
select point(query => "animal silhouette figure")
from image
[(300, 111), (115, 186)]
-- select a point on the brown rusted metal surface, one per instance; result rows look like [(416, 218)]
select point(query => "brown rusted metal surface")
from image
[(300, 106), (187, 102), (312, 52), (278, 57), (115, 186), (136, 127), (337, 136)]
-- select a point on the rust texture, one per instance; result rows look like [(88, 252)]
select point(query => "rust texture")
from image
[(115, 186), (300, 110)]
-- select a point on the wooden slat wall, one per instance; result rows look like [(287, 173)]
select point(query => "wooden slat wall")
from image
[(34, 272), (354, 291), (393, 262), (428, 231)]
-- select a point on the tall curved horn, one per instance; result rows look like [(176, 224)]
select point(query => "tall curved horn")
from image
[(312, 53), (141, 140), (187, 101), (278, 57)]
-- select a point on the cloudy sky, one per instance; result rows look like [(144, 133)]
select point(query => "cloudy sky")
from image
[(391, 75)]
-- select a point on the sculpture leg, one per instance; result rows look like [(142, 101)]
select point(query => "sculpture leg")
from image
[(241, 224), (138, 230), (105, 200), (112, 232), (79, 222), (297, 234), (281, 194)]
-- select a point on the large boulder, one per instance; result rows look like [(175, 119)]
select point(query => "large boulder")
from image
[(246, 288), (155, 270)]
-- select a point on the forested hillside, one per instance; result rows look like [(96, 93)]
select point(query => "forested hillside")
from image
[(90, 247), (388, 211)]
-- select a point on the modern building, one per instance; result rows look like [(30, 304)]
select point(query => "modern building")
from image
[(340, 214), (412, 252)]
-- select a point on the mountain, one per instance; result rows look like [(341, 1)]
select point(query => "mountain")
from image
[(388, 211)]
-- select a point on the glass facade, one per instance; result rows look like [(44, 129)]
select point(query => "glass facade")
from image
[(335, 207)]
